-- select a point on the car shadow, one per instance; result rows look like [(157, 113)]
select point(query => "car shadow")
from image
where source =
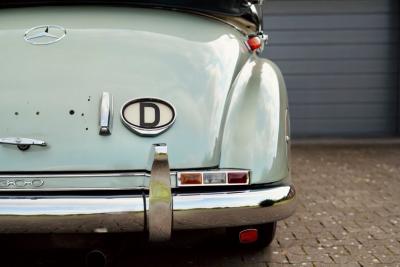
[(187, 248)]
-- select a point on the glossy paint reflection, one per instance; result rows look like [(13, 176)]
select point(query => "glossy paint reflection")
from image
[(256, 123)]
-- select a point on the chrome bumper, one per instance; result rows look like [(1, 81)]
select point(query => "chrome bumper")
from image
[(157, 213), (128, 213)]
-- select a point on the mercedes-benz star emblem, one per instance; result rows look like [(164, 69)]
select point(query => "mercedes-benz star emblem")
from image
[(45, 34)]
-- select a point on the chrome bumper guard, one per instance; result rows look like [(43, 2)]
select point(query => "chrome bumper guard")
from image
[(159, 213)]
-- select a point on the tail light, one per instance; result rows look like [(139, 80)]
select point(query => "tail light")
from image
[(213, 178), (191, 178), (237, 178), (254, 43)]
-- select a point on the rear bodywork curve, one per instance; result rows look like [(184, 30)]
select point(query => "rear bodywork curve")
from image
[(255, 136)]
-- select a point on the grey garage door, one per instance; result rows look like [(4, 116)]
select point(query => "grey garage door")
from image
[(340, 62)]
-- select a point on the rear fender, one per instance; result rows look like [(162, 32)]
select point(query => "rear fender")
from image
[(255, 135)]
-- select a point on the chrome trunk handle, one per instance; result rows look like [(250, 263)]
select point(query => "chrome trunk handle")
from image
[(106, 114), (22, 143)]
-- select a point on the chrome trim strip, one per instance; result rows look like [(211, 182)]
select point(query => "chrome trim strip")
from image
[(23, 144), (80, 175), (106, 114), (160, 199), (257, 15), (20, 141), (65, 189), (71, 214)]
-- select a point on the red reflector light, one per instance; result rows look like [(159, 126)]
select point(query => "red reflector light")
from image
[(254, 43), (248, 236), (191, 178), (237, 177)]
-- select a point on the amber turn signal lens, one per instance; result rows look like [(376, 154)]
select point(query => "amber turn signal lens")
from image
[(237, 178), (191, 178), (248, 236), (254, 43)]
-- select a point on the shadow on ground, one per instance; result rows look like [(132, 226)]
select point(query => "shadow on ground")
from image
[(189, 248)]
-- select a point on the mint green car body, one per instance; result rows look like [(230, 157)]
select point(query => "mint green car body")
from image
[(230, 103), (231, 114)]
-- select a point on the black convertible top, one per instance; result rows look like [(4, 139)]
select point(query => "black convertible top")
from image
[(225, 7)]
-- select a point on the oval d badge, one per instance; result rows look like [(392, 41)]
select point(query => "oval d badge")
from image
[(148, 116)]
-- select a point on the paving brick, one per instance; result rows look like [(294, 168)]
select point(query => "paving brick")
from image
[(349, 264), (276, 256), (329, 250), (322, 258)]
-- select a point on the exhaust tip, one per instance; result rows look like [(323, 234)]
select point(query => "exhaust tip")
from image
[(96, 258)]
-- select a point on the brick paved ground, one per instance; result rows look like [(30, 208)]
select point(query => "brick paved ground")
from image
[(349, 211), (349, 215)]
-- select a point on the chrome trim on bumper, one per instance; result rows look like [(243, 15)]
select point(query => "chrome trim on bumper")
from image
[(71, 214), (127, 213), (160, 196), (233, 208)]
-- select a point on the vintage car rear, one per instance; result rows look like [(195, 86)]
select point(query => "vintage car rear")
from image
[(141, 117)]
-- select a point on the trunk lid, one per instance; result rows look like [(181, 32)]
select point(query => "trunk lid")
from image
[(52, 92)]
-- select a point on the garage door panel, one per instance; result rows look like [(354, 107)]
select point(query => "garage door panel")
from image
[(340, 62), (332, 52), (379, 36), (308, 67), (345, 96), (344, 128), (342, 111), (326, 6), (362, 81), (328, 21)]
